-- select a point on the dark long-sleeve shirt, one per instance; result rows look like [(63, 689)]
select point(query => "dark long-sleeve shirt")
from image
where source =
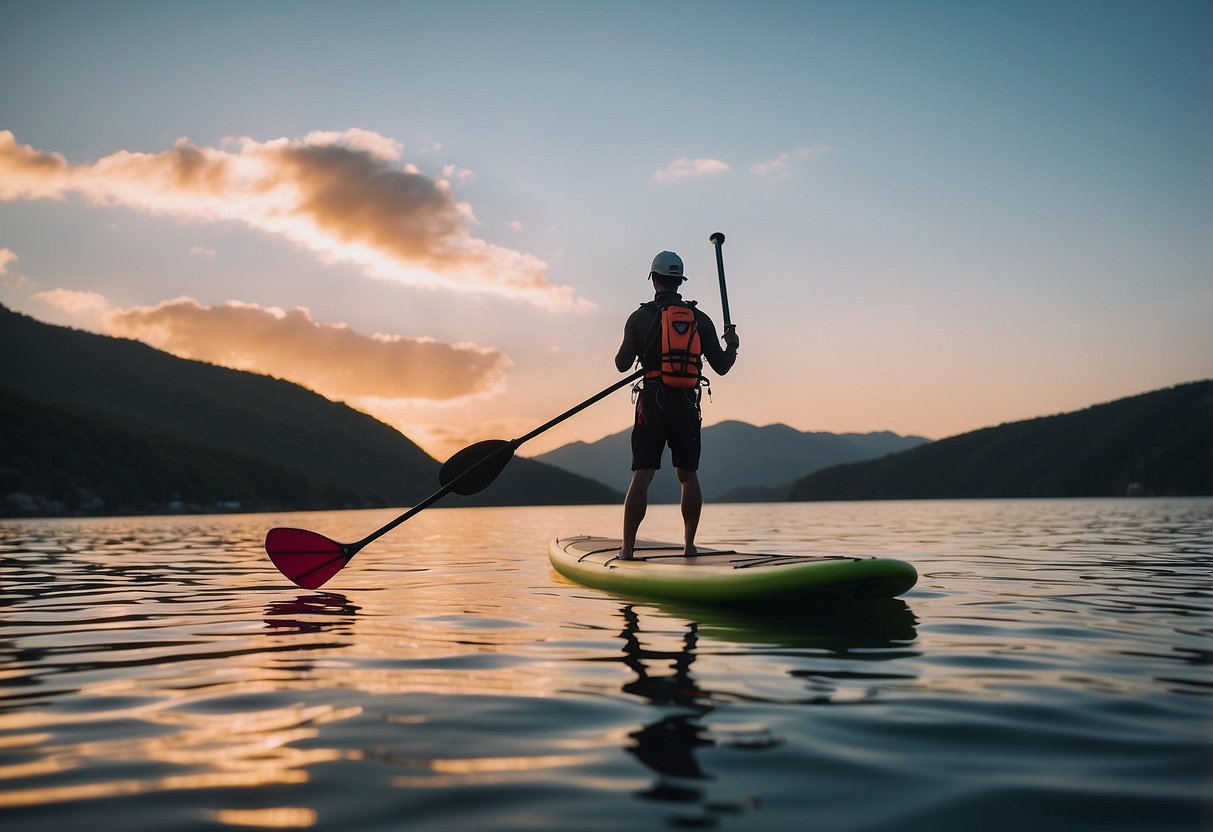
[(642, 333)]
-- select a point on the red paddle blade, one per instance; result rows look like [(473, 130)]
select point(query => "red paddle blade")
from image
[(306, 558)]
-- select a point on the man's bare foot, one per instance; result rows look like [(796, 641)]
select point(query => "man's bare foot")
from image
[(625, 555), (690, 551)]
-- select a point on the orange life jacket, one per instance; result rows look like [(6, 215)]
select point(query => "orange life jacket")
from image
[(681, 353)]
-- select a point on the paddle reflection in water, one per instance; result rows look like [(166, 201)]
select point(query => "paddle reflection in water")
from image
[(671, 746), (324, 611)]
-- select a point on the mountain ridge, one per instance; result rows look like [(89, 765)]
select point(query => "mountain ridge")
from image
[(1158, 443), (737, 457), (88, 417), (130, 386)]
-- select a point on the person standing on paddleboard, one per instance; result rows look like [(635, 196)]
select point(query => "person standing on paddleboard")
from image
[(670, 337)]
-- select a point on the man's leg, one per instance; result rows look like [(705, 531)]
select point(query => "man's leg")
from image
[(692, 507), (635, 504)]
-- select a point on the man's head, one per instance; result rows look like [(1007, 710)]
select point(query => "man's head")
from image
[(666, 270)]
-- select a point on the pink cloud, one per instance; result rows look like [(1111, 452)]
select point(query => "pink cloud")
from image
[(342, 196), (331, 359), (685, 168), (781, 165), (26, 173)]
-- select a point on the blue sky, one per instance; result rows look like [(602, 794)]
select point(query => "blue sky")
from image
[(940, 215)]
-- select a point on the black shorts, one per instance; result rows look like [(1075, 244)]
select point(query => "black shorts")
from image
[(666, 415)]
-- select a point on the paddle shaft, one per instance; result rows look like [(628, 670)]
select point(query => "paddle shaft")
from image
[(352, 549), (624, 382), (717, 240)]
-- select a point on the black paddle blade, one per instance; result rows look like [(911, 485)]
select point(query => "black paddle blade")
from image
[(488, 458)]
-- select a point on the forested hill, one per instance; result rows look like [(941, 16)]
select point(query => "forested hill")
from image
[(1154, 444), (59, 459), (111, 389)]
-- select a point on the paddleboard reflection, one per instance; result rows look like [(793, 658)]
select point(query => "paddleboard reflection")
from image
[(662, 655)]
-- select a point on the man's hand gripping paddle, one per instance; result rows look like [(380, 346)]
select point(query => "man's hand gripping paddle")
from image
[(310, 559)]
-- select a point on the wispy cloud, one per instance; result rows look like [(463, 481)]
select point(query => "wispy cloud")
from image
[(344, 196), (331, 359), (88, 308), (780, 167), (685, 168), (7, 279), (458, 174), (26, 173), (7, 256), (202, 251)]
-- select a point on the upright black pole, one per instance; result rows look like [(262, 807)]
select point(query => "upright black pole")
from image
[(717, 240)]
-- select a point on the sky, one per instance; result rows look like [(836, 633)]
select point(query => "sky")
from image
[(939, 216)]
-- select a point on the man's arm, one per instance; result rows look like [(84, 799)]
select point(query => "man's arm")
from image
[(720, 359), (629, 350)]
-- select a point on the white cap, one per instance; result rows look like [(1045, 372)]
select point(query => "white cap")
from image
[(667, 264)]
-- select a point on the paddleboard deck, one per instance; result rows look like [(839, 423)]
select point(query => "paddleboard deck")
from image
[(725, 576)]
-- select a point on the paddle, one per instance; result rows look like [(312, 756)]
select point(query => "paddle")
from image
[(472, 469), (717, 240), (310, 559)]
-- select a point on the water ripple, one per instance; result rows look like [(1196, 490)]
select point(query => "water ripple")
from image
[(1054, 661)]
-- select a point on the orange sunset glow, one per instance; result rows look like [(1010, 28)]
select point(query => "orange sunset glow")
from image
[(927, 269)]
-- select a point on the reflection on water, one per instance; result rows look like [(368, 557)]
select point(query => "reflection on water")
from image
[(668, 745), (1052, 662), (662, 659), (312, 613)]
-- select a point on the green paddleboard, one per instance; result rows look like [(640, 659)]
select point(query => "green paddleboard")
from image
[(718, 576)]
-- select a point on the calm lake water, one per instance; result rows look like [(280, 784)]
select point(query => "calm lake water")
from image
[(1050, 670)]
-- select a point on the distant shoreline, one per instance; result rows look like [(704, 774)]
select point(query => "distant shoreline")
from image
[(251, 512)]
